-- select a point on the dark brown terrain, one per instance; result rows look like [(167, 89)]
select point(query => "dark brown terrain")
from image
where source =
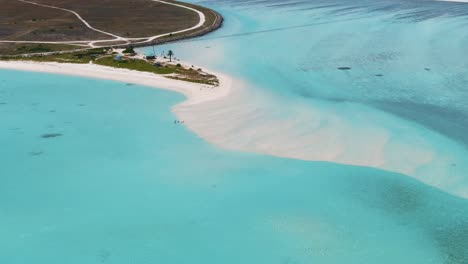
[(21, 21), (130, 18)]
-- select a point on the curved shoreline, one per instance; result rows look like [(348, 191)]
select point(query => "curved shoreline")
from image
[(250, 120), (195, 92), (216, 25)]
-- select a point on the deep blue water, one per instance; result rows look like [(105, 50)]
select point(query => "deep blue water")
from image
[(96, 171)]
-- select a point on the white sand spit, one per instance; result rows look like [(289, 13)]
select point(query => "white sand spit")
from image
[(236, 118)]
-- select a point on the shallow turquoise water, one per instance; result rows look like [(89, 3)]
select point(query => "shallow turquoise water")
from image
[(406, 68), (415, 48), (121, 183)]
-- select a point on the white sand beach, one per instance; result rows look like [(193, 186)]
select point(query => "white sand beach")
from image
[(252, 120), (193, 91)]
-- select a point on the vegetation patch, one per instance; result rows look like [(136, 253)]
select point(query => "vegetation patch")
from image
[(77, 57), (34, 49), (108, 57), (129, 50), (133, 64), (170, 70), (27, 48)]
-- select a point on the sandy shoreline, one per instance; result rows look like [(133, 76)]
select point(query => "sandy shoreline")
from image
[(254, 121), (195, 92)]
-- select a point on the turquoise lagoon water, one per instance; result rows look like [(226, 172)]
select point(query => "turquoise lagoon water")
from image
[(407, 76), (123, 184), (97, 172)]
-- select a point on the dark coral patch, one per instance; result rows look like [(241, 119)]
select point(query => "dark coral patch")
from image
[(51, 135)]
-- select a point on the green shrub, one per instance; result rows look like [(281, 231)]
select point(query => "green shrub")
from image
[(129, 50), (34, 49)]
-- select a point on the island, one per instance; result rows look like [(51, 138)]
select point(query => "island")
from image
[(98, 40)]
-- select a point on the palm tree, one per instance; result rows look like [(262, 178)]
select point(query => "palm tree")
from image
[(170, 53)]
